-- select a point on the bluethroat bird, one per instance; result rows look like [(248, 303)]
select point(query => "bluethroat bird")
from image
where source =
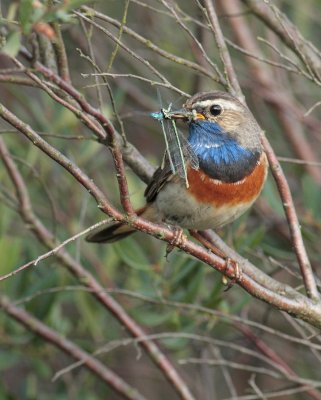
[(222, 185)]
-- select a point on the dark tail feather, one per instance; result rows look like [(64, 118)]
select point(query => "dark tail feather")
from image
[(110, 233), (117, 230)]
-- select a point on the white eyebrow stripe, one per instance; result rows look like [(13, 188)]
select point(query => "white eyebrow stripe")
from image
[(226, 104)]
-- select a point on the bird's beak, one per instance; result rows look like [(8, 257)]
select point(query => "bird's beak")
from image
[(199, 116)]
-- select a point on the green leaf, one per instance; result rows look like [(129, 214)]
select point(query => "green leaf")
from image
[(251, 239), (87, 313), (311, 195), (63, 16), (186, 282), (132, 254), (277, 252), (184, 267), (215, 296), (12, 45), (62, 12), (11, 247), (176, 343), (74, 4), (8, 359), (194, 284), (272, 196), (152, 318), (25, 15)]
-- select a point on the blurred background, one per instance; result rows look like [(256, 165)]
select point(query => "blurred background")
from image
[(225, 344)]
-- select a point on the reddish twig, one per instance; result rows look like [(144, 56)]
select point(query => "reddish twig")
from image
[(293, 221), (61, 55), (232, 80)]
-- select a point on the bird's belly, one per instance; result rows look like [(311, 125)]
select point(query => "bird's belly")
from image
[(177, 207), (208, 203)]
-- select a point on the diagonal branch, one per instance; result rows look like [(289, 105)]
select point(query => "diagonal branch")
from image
[(68, 347)]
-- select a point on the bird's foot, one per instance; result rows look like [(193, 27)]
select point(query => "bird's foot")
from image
[(230, 263), (178, 239)]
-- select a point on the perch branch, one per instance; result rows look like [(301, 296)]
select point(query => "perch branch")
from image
[(285, 298)]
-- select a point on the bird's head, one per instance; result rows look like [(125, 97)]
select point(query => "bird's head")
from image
[(228, 116), (223, 133)]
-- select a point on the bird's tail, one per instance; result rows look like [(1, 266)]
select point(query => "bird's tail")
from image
[(118, 230)]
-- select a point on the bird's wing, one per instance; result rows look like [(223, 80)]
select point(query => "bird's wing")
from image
[(167, 172), (161, 176)]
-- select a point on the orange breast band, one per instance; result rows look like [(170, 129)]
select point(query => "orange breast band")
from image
[(211, 191)]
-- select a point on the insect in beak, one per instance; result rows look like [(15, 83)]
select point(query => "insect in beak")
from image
[(172, 114), (181, 114)]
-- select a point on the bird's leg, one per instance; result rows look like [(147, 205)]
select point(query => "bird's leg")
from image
[(230, 263), (178, 239)]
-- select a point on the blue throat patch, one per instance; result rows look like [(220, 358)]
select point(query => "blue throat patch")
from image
[(220, 156)]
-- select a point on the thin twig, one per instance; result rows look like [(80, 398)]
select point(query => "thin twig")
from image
[(133, 76), (61, 56), (223, 51), (133, 54), (208, 313), (153, 47), (222, 81), (53, 251), (293, 221), (288, 33)]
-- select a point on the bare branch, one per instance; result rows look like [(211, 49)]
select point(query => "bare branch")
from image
[(288, 33), (234, 86)]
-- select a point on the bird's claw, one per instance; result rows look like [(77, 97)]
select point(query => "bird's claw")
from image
[(230, 263), (177, 240)]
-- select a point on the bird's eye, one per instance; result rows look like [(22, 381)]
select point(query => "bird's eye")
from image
[(216, 110)]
